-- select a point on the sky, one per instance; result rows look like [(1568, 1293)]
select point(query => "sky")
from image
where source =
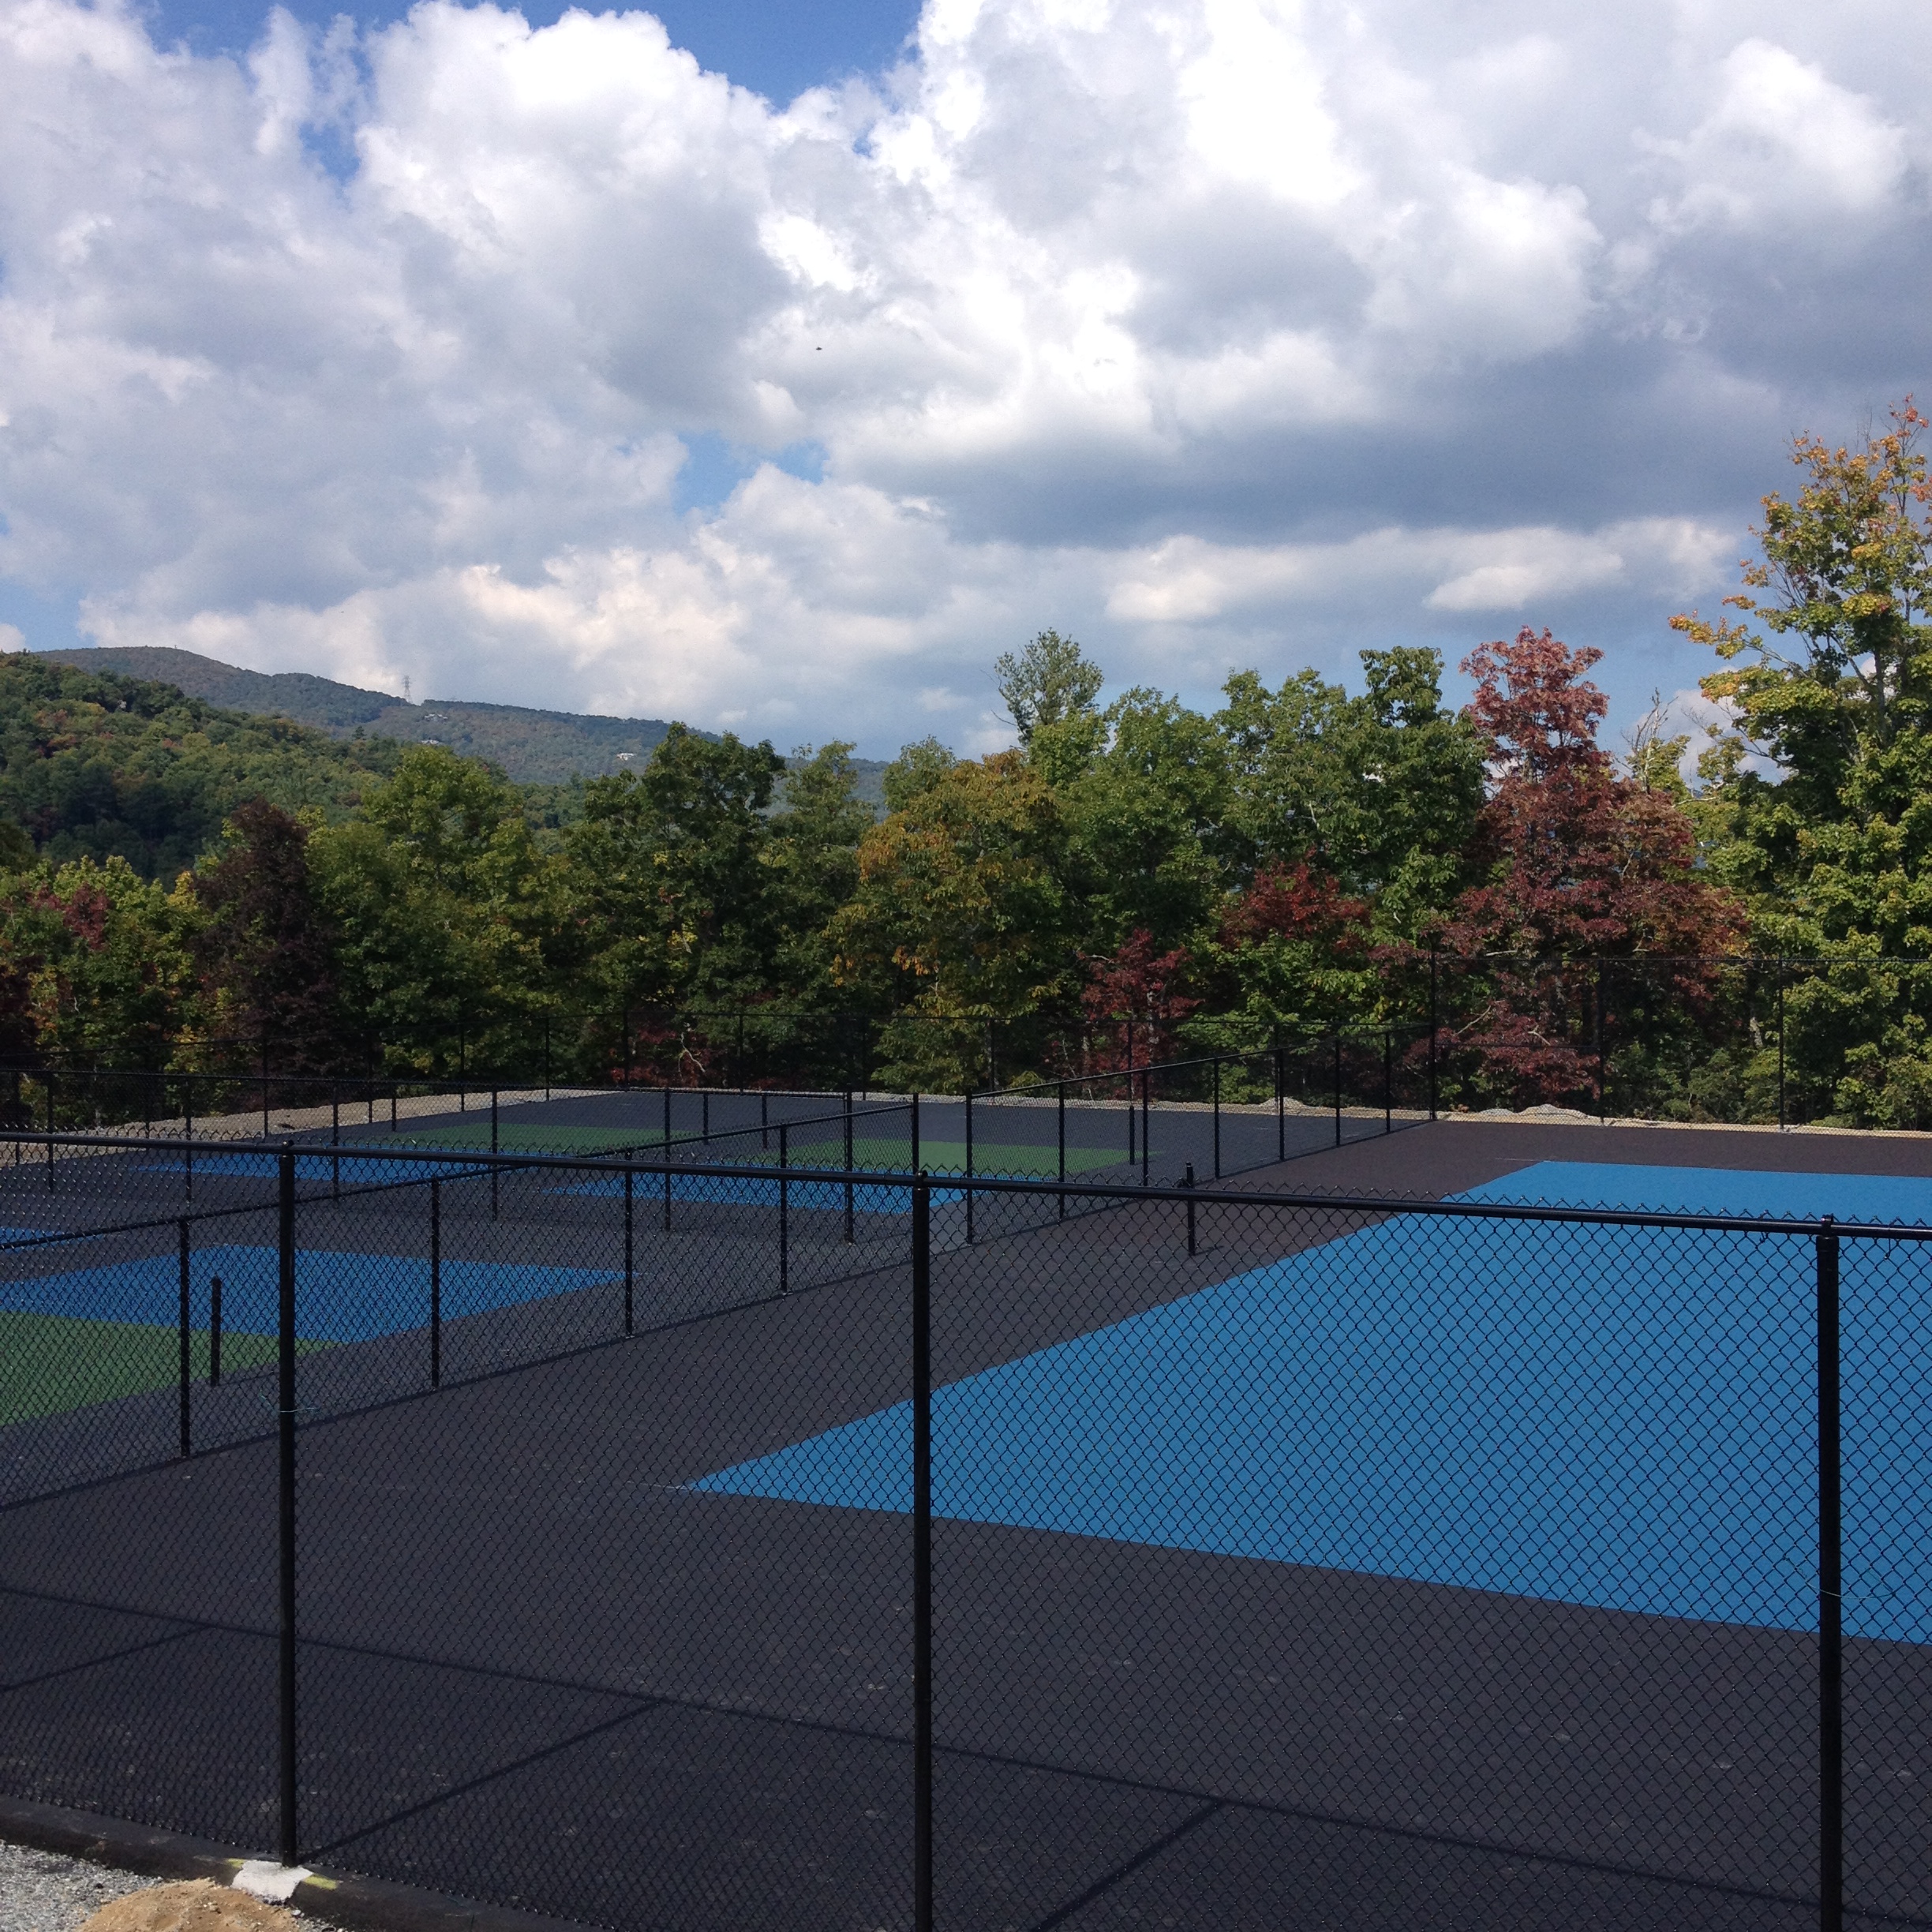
[(775, 368)]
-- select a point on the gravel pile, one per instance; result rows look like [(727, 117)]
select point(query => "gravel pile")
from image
[(41, 1892)]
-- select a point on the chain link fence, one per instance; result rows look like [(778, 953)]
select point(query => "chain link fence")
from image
[(745, 1528)]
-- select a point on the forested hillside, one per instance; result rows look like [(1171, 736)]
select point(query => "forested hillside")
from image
[(528, 745), (1136, 877)]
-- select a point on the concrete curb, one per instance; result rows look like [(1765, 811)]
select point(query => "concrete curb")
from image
[(357, 1904)]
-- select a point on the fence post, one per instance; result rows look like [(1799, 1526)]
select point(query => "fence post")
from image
[(1831, 1594), (1338, 1089), (187, 1368), (848, 1166), (915, 1134), (1388, 1081), (784, 1209), (494, 1175), (188, 1103), (285, 1352), (970, 1197), (1281, 1110), (1062, 1092), (435, 1281), (1780, 974), (667, 1120), (1433, 1030), (630, 1250), (50, 1128), (1187, 1180), (334, 1140), (1146, 1125), (1217, 1117), (764, 1118), (1602, 1085), (922, 1557)]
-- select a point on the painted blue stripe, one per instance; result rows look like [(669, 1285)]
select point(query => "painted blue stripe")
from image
[(1617, 1417), (339, 1297)]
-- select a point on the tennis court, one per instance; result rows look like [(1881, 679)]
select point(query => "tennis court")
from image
[(1364, 1570)]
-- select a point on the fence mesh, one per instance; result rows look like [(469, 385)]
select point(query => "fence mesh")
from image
[(1382, 1561)]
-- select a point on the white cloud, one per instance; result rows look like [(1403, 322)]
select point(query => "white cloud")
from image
[(1219, 329)]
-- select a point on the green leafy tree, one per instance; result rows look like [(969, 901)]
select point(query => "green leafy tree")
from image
[(1828, 676), (960, 916), (674, 874), (452, 924), (1050, 683), (1381, 791)]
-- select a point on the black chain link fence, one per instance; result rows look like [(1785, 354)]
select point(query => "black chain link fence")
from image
[(750, 1531)]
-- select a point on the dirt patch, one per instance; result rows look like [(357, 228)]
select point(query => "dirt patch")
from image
[(199, 1905)]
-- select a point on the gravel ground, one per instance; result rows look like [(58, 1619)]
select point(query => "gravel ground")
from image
[(40, 1892)]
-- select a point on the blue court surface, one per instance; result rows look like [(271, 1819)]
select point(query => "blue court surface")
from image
[(1622, 1418), (339, 1297)]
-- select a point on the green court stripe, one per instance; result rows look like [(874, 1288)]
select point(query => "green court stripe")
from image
[(49, 1364)]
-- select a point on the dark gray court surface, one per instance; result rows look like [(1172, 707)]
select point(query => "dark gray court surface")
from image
[(536, 1669)]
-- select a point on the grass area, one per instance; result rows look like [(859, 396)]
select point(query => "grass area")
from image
[(49, 1364)]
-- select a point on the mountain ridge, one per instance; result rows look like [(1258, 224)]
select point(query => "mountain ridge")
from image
[(530, 745)]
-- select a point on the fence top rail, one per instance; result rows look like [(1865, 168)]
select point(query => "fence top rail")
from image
[(475, 1165)]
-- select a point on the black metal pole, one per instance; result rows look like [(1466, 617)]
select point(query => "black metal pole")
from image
[(187, 1104), (493, 1170), (1187, 1180), (1780, 973), (630, 1244), (1388, 1081), (848, 1166), (285, 1418), (667, 1119), (1062, 1092), (1217, 1119), (1602, 1085), (1831, 1594), (187, 1366), (435, 1283), (784, 1210), (50, 1128), (1146, 1125), (915, 1161), (922, 1558), (1281, 1110), (1337, 1089), (1433, 1026), (971, 1199)]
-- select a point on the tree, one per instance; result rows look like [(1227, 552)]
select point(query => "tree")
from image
[(1132, 997), (960, 914), (1294, 956), (672, 873), (813, 864), (93, 965), (1381, 790), (263, 949), (452, 924), (1049, 683), (1578, 861), (1834, 846)]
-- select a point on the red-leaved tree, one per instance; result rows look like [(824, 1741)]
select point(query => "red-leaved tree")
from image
[(1579, 861), (1133, 1003)]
